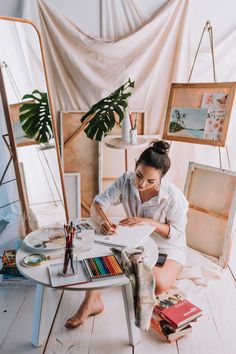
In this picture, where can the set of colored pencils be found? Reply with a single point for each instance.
(105, 266)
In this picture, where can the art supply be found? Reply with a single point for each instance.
(102, 267)
(36, 259)
(136, 120)
(126, 236)
(89, 269)
(70, 259)
(131, 123)
(105, 217)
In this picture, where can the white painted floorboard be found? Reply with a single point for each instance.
(107, 333)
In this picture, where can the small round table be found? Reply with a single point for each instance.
(118, 143)
(40, 275)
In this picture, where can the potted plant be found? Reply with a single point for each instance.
(101, 118)
(35, 117)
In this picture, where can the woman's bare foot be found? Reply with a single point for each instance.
(91, 305)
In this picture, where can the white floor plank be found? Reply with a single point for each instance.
(63, 340)
(10, 305)
(107, 333)
(204, 338)
(19, 335)
(151, 343)
(101, 334)
(222, 301)
(110, 332)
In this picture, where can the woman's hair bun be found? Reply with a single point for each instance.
(160, 146)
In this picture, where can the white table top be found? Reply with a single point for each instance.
(118, 143)
(40, 273)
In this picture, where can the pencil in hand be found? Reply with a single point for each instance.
(112, 226)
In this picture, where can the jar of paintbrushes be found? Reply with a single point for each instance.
(133, 131)
(70, 264)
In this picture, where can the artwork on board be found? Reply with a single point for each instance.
(216, 104)
(199, 113)
(189, 122)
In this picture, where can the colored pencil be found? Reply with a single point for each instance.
(105, 217)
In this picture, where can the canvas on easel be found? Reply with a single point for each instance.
(211, 193)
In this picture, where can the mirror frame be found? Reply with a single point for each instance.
(12, 141)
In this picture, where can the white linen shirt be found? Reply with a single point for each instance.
(169, 206)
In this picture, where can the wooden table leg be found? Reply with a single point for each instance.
(126, 160)
(40, 305)
(133, 331)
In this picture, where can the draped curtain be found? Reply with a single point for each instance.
(152, 51)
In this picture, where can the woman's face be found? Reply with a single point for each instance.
(147, 177)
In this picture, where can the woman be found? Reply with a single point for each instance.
(148, 198)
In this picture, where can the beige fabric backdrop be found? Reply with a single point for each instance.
(84, 69)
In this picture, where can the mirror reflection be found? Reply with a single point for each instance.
(27, 96)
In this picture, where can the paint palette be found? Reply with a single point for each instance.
(46, 239)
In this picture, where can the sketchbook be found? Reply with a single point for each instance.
(126, 236)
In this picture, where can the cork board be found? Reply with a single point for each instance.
(199, 112)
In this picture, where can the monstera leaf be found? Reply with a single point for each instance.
(104, 112)
(35, 117)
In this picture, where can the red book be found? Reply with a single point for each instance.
(161, 327)
(176, 310)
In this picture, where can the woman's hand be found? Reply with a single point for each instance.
(108, 228)
(133, 221)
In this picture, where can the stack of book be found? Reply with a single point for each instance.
(9, 269)
(172, 316)
(9, 274)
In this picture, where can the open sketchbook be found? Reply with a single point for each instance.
(126, 236)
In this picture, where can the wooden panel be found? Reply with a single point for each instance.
(80, 156)
(205, 233)
(212, 190)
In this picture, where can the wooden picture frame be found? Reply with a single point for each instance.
(199, 113)
(20, 138)
(211, 193)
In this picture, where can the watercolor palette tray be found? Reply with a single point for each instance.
(47, 239)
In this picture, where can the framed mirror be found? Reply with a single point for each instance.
(31, 138)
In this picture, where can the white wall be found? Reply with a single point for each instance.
(10, 8)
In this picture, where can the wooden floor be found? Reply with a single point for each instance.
(107, 333)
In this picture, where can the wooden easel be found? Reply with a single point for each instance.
(208, 28)
(12, 149)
